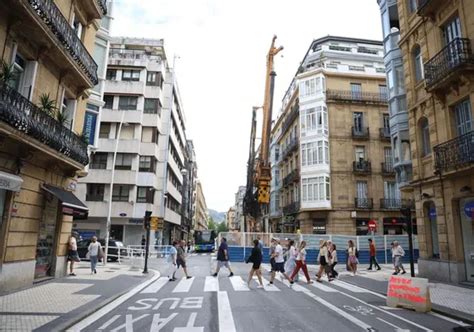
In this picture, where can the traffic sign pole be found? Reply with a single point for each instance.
(146, 224)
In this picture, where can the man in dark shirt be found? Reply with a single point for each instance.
(223, 257)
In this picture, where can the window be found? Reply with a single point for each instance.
(356, 90)
(147, 164)
(432, 230)
(386, 121)
(77, 26)
(383, 92)
(315, 119)
(463, 117)
(90, 123)
(360, 153)
(451, 31)
(111, 74)
(18, 69)
(412, 6)
(121, 193)
(104, 131)
(316, 189)
(152, 106)
(418, 63)
(387, 152)
(99, 160)
(150, 135)
(154, 78)
(109, 101)
(358, 121)
(128, 103)
(361, 188)
(130, 75)
(311, 87)
(124, 161)
(145, 195)
(95, 192)
(425, 137)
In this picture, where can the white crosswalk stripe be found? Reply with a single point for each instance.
(155, 286)
(211, 284)
(239, 284)
(267, 286)
(349, 287)
(184, 285)
(324, 288)
(279, 277)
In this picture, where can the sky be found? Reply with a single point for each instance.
(222, 47)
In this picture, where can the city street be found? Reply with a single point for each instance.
(206, 303)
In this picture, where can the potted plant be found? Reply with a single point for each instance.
(47, 105)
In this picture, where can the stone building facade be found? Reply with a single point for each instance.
(200, 215)
(46, 51)
(435, 40)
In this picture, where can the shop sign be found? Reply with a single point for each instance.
(135, 221)
(408, 292)
(372, 224)
(432, 212)
(469, 209)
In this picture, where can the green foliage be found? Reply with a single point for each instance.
(84, 138)
(7, 74)
(222, 227)
(47, 105)
(62, 117)
(211, 224)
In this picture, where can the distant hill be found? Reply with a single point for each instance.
(216, 216)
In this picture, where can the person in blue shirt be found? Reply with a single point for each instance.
(223, 257)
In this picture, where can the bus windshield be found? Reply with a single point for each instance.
(204, 237)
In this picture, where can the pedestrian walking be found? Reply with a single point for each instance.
(256, 259)
(72, 255)
(301, 264)
(323, 260)
(260, 243)
(271, 252)
(352, 257)
(94, 251)
(223, 257)
(333, 261)
(398, 253)
(373, 254)
(290, 255)
(181, 259)
(279, 261)
(188, 245)
(172, 260)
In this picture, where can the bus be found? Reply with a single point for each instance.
(204, 240)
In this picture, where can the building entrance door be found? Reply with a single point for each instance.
(467, 225)
(46, 238)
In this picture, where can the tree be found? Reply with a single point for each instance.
(211, 224)
(222, 227)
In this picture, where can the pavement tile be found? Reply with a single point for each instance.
(23, 322)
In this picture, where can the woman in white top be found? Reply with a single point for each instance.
(333, 261)
(94, 250)
(352, 259)
(301, 263)
(291, 254)
(323, 259)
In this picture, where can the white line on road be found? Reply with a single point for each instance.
(239, 284)
(184, 285)
(461, 323)
(111, 306)
(357, 289)
(267, 286)
(211, 284)
(156, 286)
(324, 288)
(283, 281)
(340, 312)
(398, 329)
(109, 322)
(226, 320)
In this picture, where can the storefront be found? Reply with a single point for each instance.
(362, 226)
(397, 226)
(319, 226)
(467, 225)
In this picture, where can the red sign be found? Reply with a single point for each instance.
(372, 224)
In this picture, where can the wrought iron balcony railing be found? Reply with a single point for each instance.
(455, 154)
(290, 178)
(292, 116)
(360, 133)
(387, 169)
(103, 6)
(291, 147)
(363, 203)
(455, 56)
(66, 36)
(362, 167)
(384, 133)
(396, 204)
(357, 97)
(428, 7)
(291, 208)
(24, 116)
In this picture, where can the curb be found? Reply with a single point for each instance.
(87, 312)
(466, 318)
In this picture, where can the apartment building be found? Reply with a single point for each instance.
(435, 41)
(45, 80)
(189, 192)
(239, 209)
(141, 146)
(333, 140)
(200, 217)
(230, 220)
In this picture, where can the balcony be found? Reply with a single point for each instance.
(396, 204)
(444, 68)
(290, 178)
(362, 167)
(292, 116)
(427, 8)
(24, 116)
(360, 133)
(455, 154)
(384, 134)
(291, 208)
(290, 148)
(349, 96)
(66, 37)
(363, 203)
(95, 9)
(387, 169)
(103, 6)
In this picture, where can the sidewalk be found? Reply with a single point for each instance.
(56, 304)
(451, 300)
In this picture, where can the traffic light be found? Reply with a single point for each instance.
(146, 220)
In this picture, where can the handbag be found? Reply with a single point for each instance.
(101, 253)
(322, 260)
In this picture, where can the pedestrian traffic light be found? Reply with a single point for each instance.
(146, 220)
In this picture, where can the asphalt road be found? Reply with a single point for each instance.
(206, 303)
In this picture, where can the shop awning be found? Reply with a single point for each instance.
(68, 199)
(10, 182)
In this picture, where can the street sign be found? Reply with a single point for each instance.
(372, 224)
(156, 223)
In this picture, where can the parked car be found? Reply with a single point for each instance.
(114, 247)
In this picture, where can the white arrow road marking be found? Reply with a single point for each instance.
(156, 286)
(239, 284)
(211, 284)
(158, 322)
(190, 326)
(397, 328)
(129, 323)
(226, 320)
(184, 285)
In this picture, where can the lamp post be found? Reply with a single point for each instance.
(109, 212)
